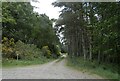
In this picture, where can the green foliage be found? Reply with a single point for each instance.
(21, 23)
(29, 31)
(10, 63)
(106, 71)
(55, 50)
(22, 51)
(7, 17)
(27, 51)
(46, 52)
(8, 47)
(90, 30)
(28, 54)
(51, 51)
(58, 50)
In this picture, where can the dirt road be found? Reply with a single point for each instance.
(52, 70)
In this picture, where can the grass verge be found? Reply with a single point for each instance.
(19, 63)
(106, 71)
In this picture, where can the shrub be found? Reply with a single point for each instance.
(56, 51)
(27, 51)
(46, 52)
(8, 48)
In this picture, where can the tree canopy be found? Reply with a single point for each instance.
(21, 23)
(90, 29)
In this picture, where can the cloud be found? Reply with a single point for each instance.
(45, 6)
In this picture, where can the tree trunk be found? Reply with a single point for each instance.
(83, 45)
(90, 52)
(99, 56)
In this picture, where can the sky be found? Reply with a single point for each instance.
(45, 6)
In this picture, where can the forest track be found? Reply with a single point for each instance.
(51, 70)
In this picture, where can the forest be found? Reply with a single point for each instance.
(27, 35)
(90, 32)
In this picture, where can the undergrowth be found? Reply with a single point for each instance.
(106, 71)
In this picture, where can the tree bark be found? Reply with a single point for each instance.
(83, 46)
(99, 56)
(90, 50)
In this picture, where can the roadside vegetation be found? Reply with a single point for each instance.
(91, 35)
(28, 38)
(19, 63)
(21, 54)
(105, 70)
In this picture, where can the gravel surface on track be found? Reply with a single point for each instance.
(51, 70)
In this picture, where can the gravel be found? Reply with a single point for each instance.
(51, 70)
